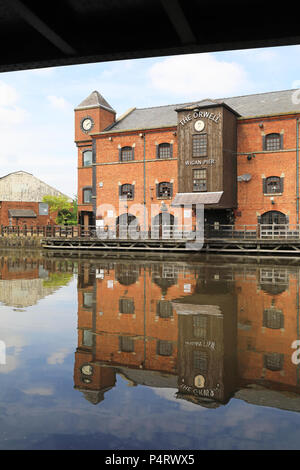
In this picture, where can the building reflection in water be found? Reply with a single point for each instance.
(29, 277)
(209, 332)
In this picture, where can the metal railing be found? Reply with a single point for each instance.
(160, 232)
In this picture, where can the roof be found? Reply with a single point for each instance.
(197, 198)
(191, 309)
(95, 100)
(261, 104)
(21, 213)
(24, 187)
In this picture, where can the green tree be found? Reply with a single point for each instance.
(66, 210)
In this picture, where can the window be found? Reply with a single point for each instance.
(199, 326)
(273, 217)
(126, 344)
(87, 299)
(199, 180)
(200, 145)
(164, 190)
(43, 208)
(127, 191)
(273, 361)
(200, 361)
(164, 309)
(126, 154)
(87, 195)
(164, 348)
(272, 142)
(274, 281)
(273, 185)
(273, 318)
(87, 159)
(164, 151)
(87, 338)
(126, 305)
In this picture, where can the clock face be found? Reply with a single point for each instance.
(87, 369)
(199, 381)
(87, 124)
(199, 125)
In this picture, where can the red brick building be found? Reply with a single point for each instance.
(21, 196)
(238, 156)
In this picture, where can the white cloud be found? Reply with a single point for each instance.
(58, 102)
(8, 95)
(198, 75)
(42, 391)
(58, 357)
(10, 113)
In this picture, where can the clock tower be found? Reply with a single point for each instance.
(93, 114)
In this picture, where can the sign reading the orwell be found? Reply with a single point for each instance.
(201, 114)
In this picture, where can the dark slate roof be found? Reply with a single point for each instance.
(21, 213)
(261, 104)
(95, 100)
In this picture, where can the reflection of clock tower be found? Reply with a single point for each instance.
(94, 114)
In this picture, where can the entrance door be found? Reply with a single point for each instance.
(163, 225)
(126, 224)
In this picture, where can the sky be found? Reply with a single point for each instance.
(37, 106)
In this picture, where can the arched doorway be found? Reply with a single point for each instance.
(126, 224)
(273, 217)
(163, 225)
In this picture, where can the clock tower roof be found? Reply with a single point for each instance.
(95, 100)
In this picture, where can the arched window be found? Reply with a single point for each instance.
(272, 142)
(164, 348)
(165, 190)
(273, 185)
(126, 154)
(164, 151)
(127, 191)
(273, 318)
(126, 344)
(87, 195)
(164, 309)
(87, 158)
(127, 274)
(126, 305)
(273, 361)
(273, 217)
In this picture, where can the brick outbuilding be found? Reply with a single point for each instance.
(21, 196)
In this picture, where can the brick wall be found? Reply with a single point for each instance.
(40, 220)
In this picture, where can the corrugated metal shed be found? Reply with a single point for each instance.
(24, 187)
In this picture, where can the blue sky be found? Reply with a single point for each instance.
(37, 106)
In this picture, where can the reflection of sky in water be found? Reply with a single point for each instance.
(39, 407)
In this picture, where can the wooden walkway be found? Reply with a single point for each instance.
(219, 245)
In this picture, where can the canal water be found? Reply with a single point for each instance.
(133, 353)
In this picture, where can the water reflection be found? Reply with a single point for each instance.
(212, 332)
(127, 354)
(24, 280)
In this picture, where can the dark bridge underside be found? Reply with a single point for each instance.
(35, 33)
